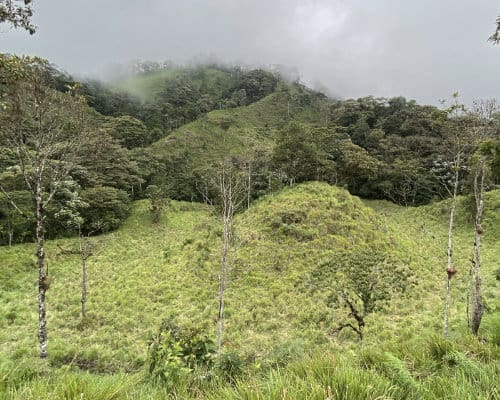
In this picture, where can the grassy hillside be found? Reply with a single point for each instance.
(235, 131)
(145, 272)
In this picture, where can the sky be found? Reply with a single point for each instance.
(424, 50)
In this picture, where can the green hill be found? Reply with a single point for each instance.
(144, 272)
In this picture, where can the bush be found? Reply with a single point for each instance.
(176, 350)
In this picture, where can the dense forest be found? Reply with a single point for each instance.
(279, 132)
(213, 231)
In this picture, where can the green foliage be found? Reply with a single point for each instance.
(158, 202)
(14, 227)
(362, 280)
(107, 208)
(295, 155)
(174, 351)
(129, 131)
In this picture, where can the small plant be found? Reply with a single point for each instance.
(158, 202)
(175, 350)
(230, 366)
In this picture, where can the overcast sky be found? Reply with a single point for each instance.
(425, 49)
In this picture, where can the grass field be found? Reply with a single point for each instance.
(145, 272)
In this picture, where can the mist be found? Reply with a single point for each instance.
(423, 50)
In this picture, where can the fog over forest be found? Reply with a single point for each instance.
(424, 50)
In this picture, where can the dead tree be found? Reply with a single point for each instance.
(231, 192)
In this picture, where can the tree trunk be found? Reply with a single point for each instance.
(43, 278)
(477, 300)
(249, 183)
(222, 282)
(84, 274)
(449, 253)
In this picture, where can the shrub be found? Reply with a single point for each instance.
(176, 350)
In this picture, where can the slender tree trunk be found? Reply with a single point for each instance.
(222, 282)
(83, 256)
(449, 253)
(43, 278)
(477, 300)
(249, 183)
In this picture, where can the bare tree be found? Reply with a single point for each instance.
(483, 129)
(459, 147)
(45, 129)
(231, 191)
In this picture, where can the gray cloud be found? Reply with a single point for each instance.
(424, 50)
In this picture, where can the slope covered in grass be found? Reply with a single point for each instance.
(145, 272)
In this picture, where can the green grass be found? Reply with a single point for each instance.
(239, 132)
(145, 272)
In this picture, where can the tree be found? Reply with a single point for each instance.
(18, 13)
(231, 195)
(295, 154)
(46, 129)
(158, 201)
(71, 217)
(458, 147)
(129, 131)
(362, 280)
(486, 132)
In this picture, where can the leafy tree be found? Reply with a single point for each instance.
(362, 280)
(46, 129)
(16, 227)
(107, 209)
(106, 163)
(18, 13)
(295, 154)
(129, 131)
(257, 84)
(158, 201)
(356, 167)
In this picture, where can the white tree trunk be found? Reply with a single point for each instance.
(43, 278)
(449, 253)
(477, 300)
